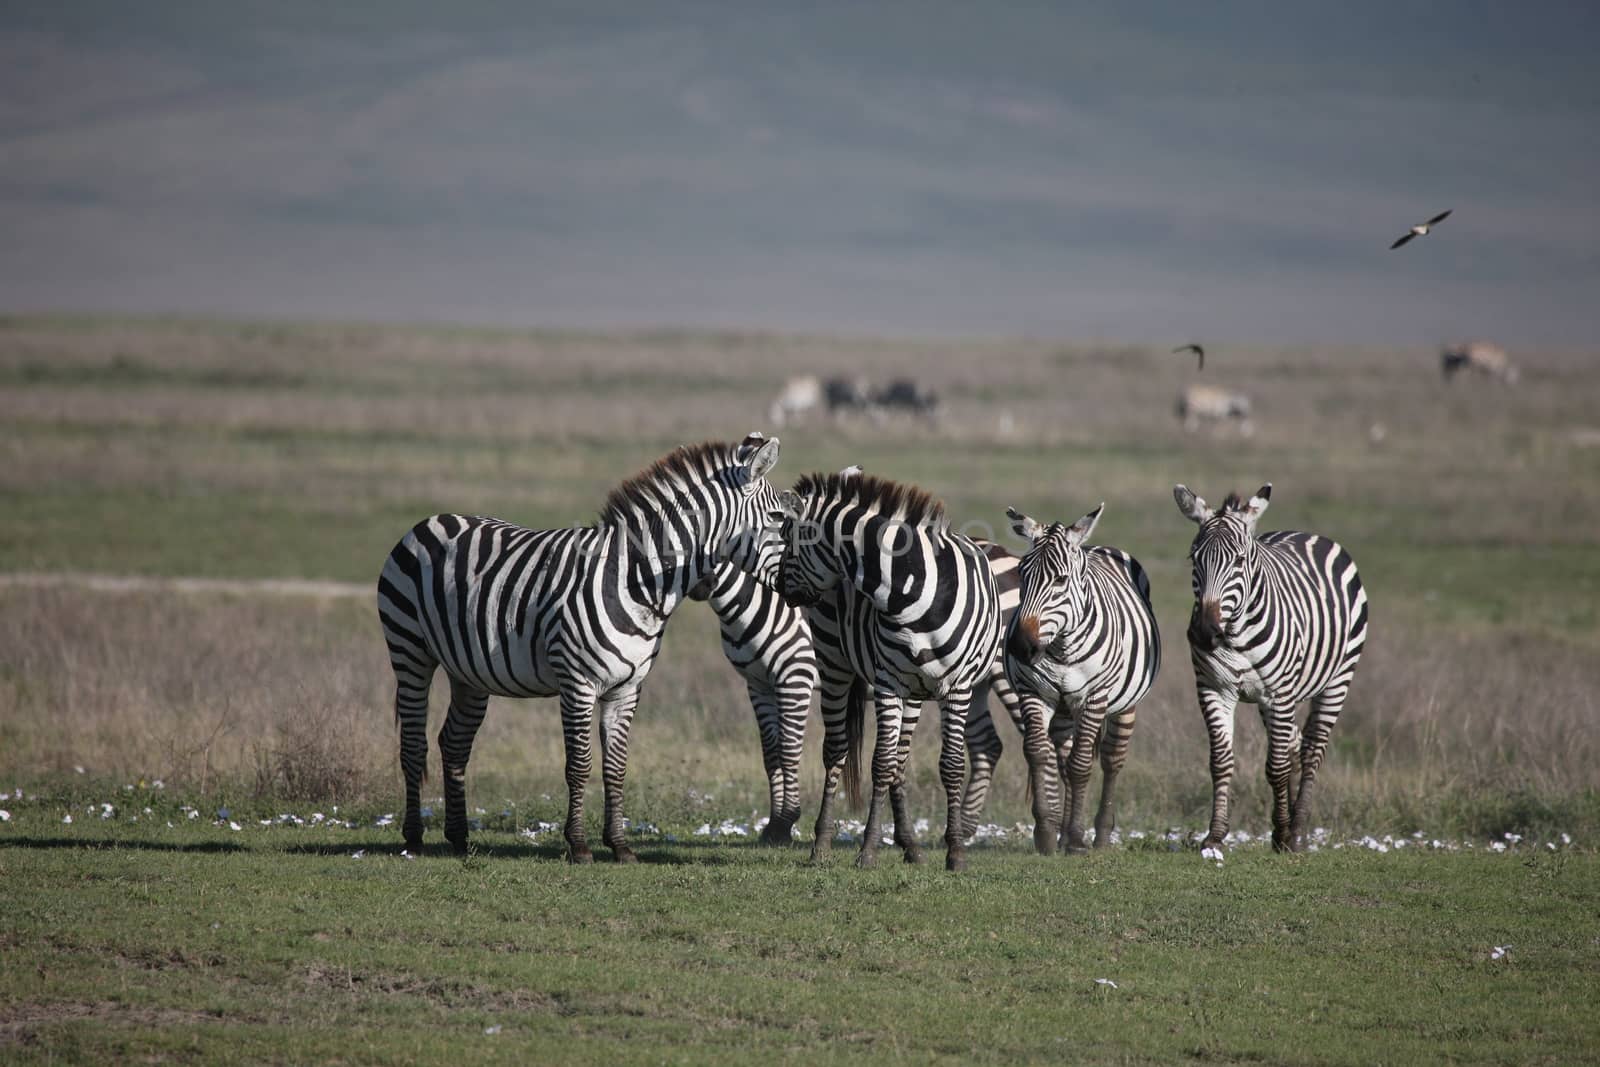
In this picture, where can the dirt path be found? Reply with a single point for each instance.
(132, 583)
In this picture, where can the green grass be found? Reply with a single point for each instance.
(134, 941)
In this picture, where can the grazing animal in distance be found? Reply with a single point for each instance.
(902, 395)
(1420, 229)
(799, 396)
(1479, 357)
(1082, 650)
(576, 612)
(919, 619)
(1199, 404)
(847, 396)
(1278, 618)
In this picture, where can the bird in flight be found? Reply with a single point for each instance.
(1196, 349)
(1421, 228)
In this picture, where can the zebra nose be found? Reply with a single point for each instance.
(1024, 642)
(1205, 629)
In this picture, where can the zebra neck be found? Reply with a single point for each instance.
(887, 562)
(657, 562)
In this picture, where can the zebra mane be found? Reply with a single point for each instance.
(1235, 502)
(894, 500)
(690, 463)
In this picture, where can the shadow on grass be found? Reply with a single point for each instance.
(116, 843)
(694, 853)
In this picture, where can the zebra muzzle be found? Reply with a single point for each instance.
(1024, 643)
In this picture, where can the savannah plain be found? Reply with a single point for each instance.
(193, 513)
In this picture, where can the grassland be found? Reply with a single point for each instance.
(265, 451)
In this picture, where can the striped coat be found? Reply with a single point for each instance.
(1083, 649)
(918, 616)
(1278, 619)
(577, 612)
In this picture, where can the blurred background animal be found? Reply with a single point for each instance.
(1202, 404)
(1479, 357)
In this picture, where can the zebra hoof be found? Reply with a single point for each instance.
(781, 837)
(866, 860)
(914, 855)
(580, 855)
(458, 845)
(1079, 849)
(1044, 842)
(414, 844)
(955, 861)
(1211, 841)
(624, 854)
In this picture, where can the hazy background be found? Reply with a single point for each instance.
(1158, 172)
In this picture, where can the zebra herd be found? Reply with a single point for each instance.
(855, 586)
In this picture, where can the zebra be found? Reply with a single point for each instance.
(1210, 403)
(1278, 618)
(769, 644)
(917, 616)
(1083, 646)
(579, 612)
(1481, 357)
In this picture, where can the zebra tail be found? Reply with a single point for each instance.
(855, 719)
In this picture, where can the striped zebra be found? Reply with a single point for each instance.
(1278, 618)
(984, 746)
(578, 613)
(1082, 651)
(917, 619)
(769, 644)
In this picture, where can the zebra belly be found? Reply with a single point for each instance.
(1227, 670)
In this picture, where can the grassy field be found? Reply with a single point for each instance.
(141, 941)
(258, 452)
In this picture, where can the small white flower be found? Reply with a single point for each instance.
(79, 768)
(406, 854)
(67, 819)
(1211, 852)
(1513, 838)
(1105, 981)
(5, 816)
(158, 784)
(492, 1030)
(1497, 846)
(235, 827)
(1499, 952)
(1566, 838)
(358, 853)
(149, 811)
(193, 814)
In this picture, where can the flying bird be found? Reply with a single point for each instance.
(1196, 349)
(1421, 228)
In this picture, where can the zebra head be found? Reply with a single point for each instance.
(1054, 589)
(1224, 559)
(752, 545)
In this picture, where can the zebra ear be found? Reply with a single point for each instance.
(1193, 507)
(1022, 526)
(764, 460)
(1258, 503)
(852, 471)
(1079, 531)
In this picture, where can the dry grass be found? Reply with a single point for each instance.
(262, 451)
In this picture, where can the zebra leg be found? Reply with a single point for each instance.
(413, 677)
(885, 762)
(1113, 754)
(835, 694)
(461, 723)
(616, 717)
(1085, 741)
(765, 704)
(1218, 711)
(905, 834)
(952, 769)
(1035, 717)
(1325, 708)
(577, 718)
(984, 749)
(1059, 741)
(794, 707)
(1279, 724)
